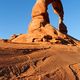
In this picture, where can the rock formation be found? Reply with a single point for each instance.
(40, 23)
(47, 53)
(40, 16)
(39, 61)
(40, 27)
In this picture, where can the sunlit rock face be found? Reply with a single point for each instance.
(44, 53)
(39, 61)
(40, 23)
(40, 29)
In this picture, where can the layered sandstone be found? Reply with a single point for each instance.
(39, 61)
(44, 53)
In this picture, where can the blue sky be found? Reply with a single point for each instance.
(15, 16)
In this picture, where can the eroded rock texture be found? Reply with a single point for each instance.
(40, 27)
(39, 62)
(56, 57)
(40, 23)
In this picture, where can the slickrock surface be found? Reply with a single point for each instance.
(39, 61)
(45, 53)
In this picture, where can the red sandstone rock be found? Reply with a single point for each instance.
(39, 62)
(40, 16)
(40, 29)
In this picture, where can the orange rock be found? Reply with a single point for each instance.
(40, 15)
(40, 29)
(20, 39)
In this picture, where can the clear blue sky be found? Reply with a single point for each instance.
(15, 16)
